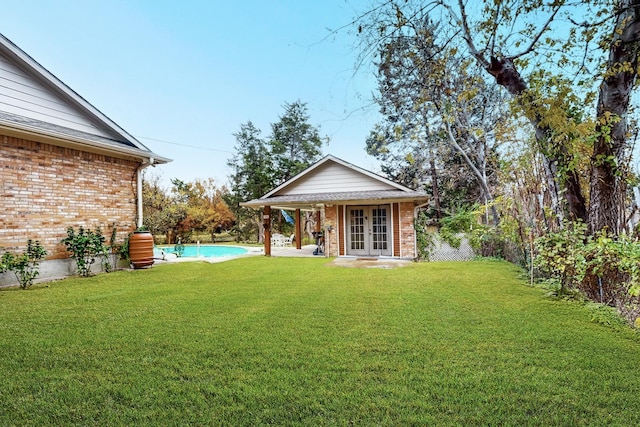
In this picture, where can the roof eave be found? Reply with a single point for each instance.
(49, 79)
(311, 204)
(68, 141)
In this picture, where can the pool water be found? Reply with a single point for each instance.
(205, 250)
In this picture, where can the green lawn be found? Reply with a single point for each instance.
(280, 341)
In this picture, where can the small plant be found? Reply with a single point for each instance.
(424, 239)
(5, 262)
(85, 246)
(124, 250)
(26, 266)
(109, 261)
(561, 254)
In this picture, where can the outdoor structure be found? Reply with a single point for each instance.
(62, 162)
(359, 213)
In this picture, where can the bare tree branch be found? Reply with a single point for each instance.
(544, 28)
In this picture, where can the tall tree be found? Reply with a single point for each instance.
(611, 147)
(162, 210)
(433, 103)
(527, 46)
(251, 175)
(207, 208)
(294, 143)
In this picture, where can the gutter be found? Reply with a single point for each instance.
(76, 142)
(143, 166)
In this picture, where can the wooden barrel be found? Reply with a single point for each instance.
(141, 249)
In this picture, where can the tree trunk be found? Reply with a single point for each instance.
(434, 187)
(557, 158)
(480, 176)
(608, 183)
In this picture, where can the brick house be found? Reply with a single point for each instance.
(62, 162)
(359, 213)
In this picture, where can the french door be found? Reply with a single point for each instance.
(368, 230)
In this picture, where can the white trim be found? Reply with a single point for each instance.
(139, 190)
(49, 80)
(57, 138)
(331, 158)
(344, 235)
(393, 232)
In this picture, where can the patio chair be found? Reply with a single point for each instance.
(288, 241)
(277, 240)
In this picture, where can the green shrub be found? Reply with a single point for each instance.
(424, 239)
(5, 262)
(612, 268)
(561, 254)
(85, 246)
(25, 265)
(603, 268)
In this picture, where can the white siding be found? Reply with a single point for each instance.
(23, 95)
(334, 178)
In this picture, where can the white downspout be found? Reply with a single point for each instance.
(139, 192)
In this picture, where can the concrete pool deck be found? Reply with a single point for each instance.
(305, 252)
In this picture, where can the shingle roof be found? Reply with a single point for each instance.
(53, 130)
(309, 200)
(124, 144)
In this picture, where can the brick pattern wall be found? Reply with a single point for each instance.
(405, 226)
(331, 239)
(395, 216)
(44, 189)
(407, 235)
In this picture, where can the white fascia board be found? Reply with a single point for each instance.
(326, 159)
(47, 78)
(61, 139)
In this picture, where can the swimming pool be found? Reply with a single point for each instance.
(206, 251)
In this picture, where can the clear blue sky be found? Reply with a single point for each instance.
(191, 72)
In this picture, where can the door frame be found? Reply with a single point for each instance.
(366, 229)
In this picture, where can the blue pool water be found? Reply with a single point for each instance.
(205, 250)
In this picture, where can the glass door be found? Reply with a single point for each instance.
(357, 235)
(369, 230)
(380, 231)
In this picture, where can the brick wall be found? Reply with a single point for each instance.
(407, 236)
(331, 245)
(44, 189)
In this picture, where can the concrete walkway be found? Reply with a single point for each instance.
(349, 261)
(305, 251)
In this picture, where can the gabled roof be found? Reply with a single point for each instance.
(35, 102)
(332, 180)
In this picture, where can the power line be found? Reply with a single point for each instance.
(183, 145)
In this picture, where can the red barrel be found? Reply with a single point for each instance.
(141, 249)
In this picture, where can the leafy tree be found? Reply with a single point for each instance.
(206, 208)
(434, 105)
(259, 165)
(547, 60)
(162, 210)
(251, 177)
(294, 143)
